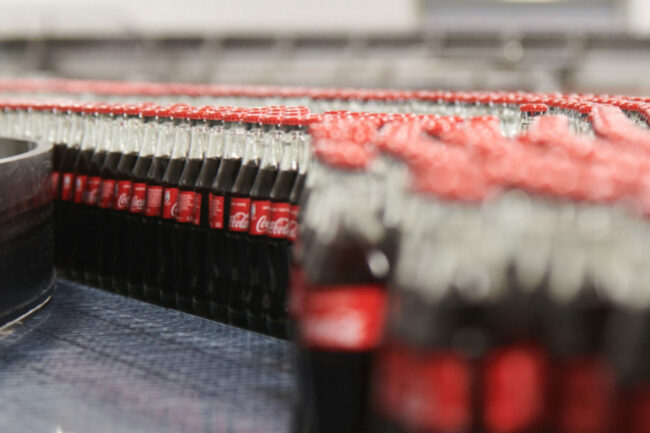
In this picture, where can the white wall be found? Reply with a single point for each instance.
(203, 17)
(638, 17)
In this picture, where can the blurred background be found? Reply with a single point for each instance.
(539, 45)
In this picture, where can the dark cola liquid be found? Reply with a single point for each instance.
(219, 260)
(152, 249)
(259, 256)
(187, 252)
(58, 150)
(135, 239)
(334, 389)
(119, 227)
(166, 227)
(240, 277)
(91, 259)
(276, 297)
(200, 235)
(68, 235)
(78, 216)
(105, 229)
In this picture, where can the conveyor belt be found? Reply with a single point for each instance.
(91, 361)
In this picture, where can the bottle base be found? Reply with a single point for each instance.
(218, 312)
(91, 279)
(135, 290)
(76, 275)
(237, 318)
(167, 299)
(256, 323)
(119, 286)
(151, 294)
(201, 307)
(106, 283)
(184, 303)
(278, 327)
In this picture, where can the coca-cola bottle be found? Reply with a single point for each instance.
(297, 192)
(115, 135)
(187, 251)
(135, 233)
(71, 132)
(260, 209)
(278, 235)
(152, 218)
(79, 209)
(574, 314)
(207, 175)
(239, 220)
(103, 129)
(340, 322)
(167, 225)
(56, 137)
(219, 212)
(133, 134)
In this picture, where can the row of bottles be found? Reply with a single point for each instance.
(452, 279)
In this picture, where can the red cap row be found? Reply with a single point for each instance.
(276, 115)
(470, 160)
(581, 103)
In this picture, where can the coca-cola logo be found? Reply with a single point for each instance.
(292, 230)
(239, 221)
(123, 201)
(262, 224)
(67, 181)
(78, 182)
(92, 195)
(137, 203)
(280, 227)
(173, 211)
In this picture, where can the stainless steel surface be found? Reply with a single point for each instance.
(26, 227)
(91, 361)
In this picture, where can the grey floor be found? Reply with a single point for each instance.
(91, 361)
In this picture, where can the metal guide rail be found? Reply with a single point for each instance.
(26, 228)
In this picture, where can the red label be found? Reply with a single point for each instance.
(170, 203)
(67, 187)
(428, 391)
(293, 223)
(91, 194)
(240, 209)
(216, 211)
(154, 200)
(391, 375)
(79, 187)
(586, 393)
(123, 195)
(138, 197)
(280, 220)
(343, 318)
(296, 290)
(56, 176)
(260, 211)
(197, 209)
(107, 193)
(514, 394)
(640, 409)
(186, 202)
